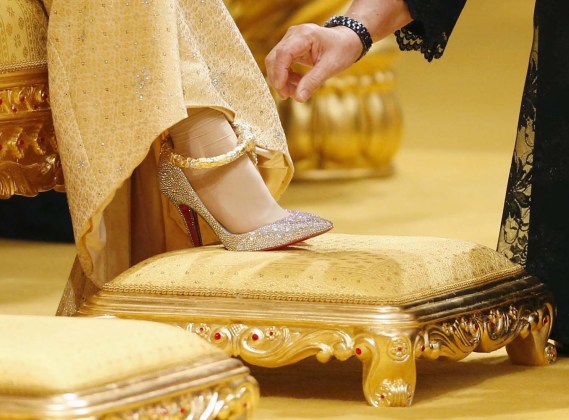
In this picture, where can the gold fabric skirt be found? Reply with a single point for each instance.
(122, 73)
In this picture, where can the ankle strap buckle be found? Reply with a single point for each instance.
(245, 145)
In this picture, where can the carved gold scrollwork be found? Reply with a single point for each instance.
(277, 346)
(29, 160)
(397, 393)
(387, 347)
(388, 361)
(389, 374)
(228, 400)
(485, 331)
(531, 346)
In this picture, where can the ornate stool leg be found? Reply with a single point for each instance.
(531, 346)
(389, 374)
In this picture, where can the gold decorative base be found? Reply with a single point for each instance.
(29, 161)
(515, 312)
(213, 389)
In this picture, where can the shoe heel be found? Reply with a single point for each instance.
(192, 224)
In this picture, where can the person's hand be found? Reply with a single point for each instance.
(327, 50)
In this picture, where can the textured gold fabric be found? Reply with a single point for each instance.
(47, 4)
(23, 35)
(49, 355)
(121, 74)
(331, 268)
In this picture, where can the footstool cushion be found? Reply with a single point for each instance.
(70, 368)
(385, 300)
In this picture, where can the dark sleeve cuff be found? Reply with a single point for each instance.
(433, 22)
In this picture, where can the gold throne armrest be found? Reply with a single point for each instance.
(29, 162)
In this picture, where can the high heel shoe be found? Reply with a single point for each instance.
(174, 184)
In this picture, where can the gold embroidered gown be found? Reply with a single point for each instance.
(121, 73)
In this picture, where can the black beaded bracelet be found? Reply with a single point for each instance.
(358, 27)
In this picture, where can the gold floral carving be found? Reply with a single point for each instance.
(272, 346)
(389, 374)
(525, 327)
(516, 313)
(29, 162)
(230, 400)
(397, 393)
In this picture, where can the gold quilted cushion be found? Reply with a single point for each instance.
(49, 355)
(23, 35)
(331, 268)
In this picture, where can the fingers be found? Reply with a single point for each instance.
(295, 47)
(315, 78)
(291, 85)
(339, 48)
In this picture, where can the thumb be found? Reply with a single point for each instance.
(314, 79)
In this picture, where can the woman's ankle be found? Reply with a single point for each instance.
(235, 194)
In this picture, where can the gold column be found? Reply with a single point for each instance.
(352, 127)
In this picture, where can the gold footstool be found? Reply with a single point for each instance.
(385, 300)
(113, 369)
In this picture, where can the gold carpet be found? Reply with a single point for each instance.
(451, 174)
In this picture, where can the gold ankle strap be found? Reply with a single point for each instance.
(245, 145)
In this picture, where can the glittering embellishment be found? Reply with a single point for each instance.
(245, 145)
(296, 227)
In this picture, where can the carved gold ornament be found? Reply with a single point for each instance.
(387, 340)
(29, 160)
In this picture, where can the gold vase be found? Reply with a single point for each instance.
(351, 127)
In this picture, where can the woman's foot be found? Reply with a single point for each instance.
(235, 194)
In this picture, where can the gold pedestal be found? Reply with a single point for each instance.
(387, 301)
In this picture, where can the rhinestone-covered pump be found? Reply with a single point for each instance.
(296, 227)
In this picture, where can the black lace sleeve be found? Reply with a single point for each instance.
(433, 22)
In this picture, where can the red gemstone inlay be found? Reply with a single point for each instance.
(217, 336)
(358, 351)
(255, 337)
(271, 333)
(545, 320)
(382, 396)
(14, 109)
(423, 347)
(201, 329)
(20, 143)
(399, 349)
